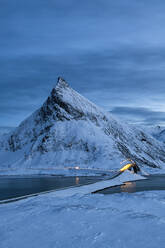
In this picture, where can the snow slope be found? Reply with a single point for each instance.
(79, 220)
(69, 130)
(158, 132)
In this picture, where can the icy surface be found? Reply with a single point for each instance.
(80, 220)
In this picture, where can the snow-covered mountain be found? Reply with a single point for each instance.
(158, 132)
(5, 130)
(160, 136)
(69, 130)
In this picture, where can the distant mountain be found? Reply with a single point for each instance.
(158, 132)
(5, 130)
(69, 130)
(161, 136)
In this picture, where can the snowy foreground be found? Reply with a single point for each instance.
(76, 218)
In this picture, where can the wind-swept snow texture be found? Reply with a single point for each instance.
(69, 130)
(73, 218)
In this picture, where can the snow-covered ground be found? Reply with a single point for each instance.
(58, 171)
(76, 218)
(72, 171)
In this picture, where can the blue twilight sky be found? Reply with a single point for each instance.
(112, 52)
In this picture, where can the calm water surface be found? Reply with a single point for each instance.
(153, 182)
(12, 186)
(16, 186)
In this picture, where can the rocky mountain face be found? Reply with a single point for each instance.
(69, 130)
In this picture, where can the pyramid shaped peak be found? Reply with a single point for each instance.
(61, 83)
(69, 102)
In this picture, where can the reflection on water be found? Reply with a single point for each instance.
(129, 187)
(77, 180)
(153, 182)
(11, 186)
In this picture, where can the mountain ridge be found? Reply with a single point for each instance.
(68, 129)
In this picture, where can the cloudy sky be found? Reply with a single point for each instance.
(112, 52)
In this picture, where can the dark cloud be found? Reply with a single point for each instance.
(110, 51)
(139, 115)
